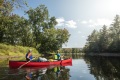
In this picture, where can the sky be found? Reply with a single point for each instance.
(79, 17)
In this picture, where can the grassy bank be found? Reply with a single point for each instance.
(9, 50)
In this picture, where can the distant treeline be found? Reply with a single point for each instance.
(71, 50)
(106, 39)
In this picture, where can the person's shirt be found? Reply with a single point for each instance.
(55, 56)
(58, 56)
(29, 56)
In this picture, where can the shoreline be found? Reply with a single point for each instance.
(89, 54)
(3, 57)
(104, 54)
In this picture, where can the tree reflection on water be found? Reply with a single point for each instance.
(104, 68)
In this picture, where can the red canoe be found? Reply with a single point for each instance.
(17, 64)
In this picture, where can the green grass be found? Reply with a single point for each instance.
(9, 50)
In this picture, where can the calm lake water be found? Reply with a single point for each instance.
(82, 68)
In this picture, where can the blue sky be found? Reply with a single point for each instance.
(80, 17)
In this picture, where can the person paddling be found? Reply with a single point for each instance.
(57, 56)
(29, 55)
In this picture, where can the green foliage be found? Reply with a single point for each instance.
(39, 21)
(45, 36)
(6, 8)
(52, 39)
(15, 30)
(106, 40)
(37, 31)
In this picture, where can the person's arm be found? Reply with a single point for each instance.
(29, 55)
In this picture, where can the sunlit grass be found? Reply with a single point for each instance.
(9, 50)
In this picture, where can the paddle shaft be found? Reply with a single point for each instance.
(25, 63)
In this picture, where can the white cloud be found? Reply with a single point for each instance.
(97, 22)
(60, 20)
(84, 22)
(69, 24)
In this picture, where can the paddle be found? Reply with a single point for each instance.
(25, 63)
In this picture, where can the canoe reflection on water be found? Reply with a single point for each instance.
(34, 74)
(48, 73)
(52, 72)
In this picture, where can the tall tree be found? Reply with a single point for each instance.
(115, 29)
(103, 41)
(25, 33)
(45, 35)
(93, 41)
(38, 18)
